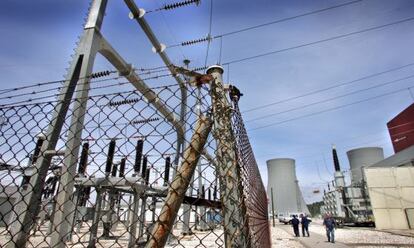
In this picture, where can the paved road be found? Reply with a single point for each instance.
(315, 240)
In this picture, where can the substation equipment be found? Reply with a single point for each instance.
(349, 204)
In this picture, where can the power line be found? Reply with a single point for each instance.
(320, 41)
(95, 88)
(90, 97)
(4, 91)
(329, 88)
(144, 71)
(289, 18)
(209, 31)
(169, 30)
(185, 43)
(330, 109)
(330, 99)
(56, 88)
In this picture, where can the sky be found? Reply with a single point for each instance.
(38, 38)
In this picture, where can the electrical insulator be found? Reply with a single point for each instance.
(199, 68)
(192, 42)
(100, 74)
(145, 121)
(179, 4)
(127, 101)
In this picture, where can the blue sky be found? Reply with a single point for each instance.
(38, 38)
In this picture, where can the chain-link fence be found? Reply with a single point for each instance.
(254, 192)
(90, 166)
(138, 176)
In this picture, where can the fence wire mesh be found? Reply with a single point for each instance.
(132, 177)
(254, 192)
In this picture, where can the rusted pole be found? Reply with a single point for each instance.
(233, 211)
(179, 184)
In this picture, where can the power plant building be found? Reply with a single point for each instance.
(390, 183)
(282, 180)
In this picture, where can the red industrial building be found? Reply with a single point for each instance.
(401, 129)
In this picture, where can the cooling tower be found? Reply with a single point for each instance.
(362, 157)
(287, 197)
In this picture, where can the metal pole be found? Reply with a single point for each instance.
(203, 224)
(28, 204)
(143, 199)
(235, 232)
(81, 193)
(273, 207)
(96, 217)
(186, 229)
(133, 220)
(87, 48)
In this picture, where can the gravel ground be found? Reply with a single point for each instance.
(281, 239)
(365, 237)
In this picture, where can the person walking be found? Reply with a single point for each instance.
(330, 226)
(305, 224)
(295, 224)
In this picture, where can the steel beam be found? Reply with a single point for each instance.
(28, 204)
(63, 221)
(136, 14)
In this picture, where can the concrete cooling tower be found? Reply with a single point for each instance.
(362, 157)
(287, 197)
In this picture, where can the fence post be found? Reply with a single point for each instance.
(229, 176)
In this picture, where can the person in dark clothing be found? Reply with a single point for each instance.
(305, 224)
(330, 226)
(295, 224)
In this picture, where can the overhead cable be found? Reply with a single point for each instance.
(320, 41)
(329, 87)
(329, 109)
(331, 99)
(186, 43)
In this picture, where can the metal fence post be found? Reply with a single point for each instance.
(231, 197)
